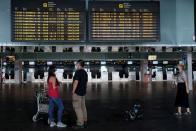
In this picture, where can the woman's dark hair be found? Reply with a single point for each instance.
(51, 73)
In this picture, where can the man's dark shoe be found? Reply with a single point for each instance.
(85, 124)
(78, 126)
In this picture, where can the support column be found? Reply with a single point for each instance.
(143, 69)
(189, 70)
(18, 72)
(1, 70)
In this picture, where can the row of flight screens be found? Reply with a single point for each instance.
(74, 21)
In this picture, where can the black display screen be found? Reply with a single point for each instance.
(124, 21)
(48, 20)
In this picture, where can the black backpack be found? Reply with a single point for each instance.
(134, 113)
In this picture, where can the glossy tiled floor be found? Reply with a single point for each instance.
(105, 102)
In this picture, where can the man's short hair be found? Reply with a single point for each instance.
(81, 62)
(52, 69)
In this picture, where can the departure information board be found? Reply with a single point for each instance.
(48, 20)
(124, 21)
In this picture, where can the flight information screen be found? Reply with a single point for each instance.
(48, 20)
(124, 21)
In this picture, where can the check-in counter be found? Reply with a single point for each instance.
(104, 76)
(8, 77)
(89, 76)
(170, 76)
(31, 77)
(93, 79)
(115, 76)
(9, 80)
(159, 76)
(45, 77)
(132, 75)
(124, 78)
(39, 80)
(67, 78)
(59, 74)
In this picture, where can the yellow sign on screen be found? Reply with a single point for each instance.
(45, 5)
(121, 6)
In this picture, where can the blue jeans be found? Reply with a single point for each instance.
(59, 103)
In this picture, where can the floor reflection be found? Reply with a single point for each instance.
(105, 102)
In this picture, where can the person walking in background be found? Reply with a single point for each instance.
(79, 87)
(182, 97)
(54, 98)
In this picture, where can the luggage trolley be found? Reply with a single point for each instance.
(42, 104)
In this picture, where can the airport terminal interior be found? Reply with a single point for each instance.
(131, 51)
